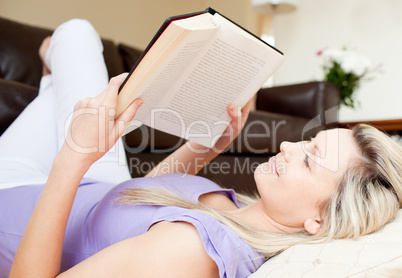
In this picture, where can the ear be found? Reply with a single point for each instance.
(312, 226)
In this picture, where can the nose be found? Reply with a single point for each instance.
(285, 149)
(288, 149)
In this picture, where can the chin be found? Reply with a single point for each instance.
(261, 169)
(262, 173)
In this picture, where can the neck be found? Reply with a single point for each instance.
(255, 217)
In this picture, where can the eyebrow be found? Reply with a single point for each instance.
(321, 131)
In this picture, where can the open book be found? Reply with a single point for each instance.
(195, 66)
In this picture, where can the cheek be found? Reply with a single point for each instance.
(285, 204)
(282, 169)
(291, 190)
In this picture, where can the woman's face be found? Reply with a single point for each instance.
(302, 176)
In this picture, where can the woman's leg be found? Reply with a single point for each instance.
(78, 70)
(28, 146)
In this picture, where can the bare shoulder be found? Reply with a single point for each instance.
(217, 201)
(168, 249)
(184, 244)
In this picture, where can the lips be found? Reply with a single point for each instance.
(272, 165)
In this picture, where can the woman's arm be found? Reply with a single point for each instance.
(192, 157)
(92, 132)
(39, 252)
(168, 249)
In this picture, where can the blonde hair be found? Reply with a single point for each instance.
(368, 196)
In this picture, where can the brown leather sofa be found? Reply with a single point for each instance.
(288, 113)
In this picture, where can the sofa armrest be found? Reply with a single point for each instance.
(265, 131)
(307, 100)
(14, 97)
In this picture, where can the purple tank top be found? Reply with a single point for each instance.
(97, 221)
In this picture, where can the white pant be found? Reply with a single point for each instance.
(29, 145)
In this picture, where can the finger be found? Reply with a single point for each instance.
(233, 111)
(129, 113)
(112, 89)
(82, 103)
(236, 115)
(246, 110)
(247, 106)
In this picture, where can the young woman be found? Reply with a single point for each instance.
(85, 221)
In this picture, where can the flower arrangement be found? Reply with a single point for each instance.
(346, 69)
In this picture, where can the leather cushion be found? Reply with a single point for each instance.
(19, 59)
(306, 100)
(19, 44)
(113, 60)
(14, 97)
(130, 55)
(262, 134)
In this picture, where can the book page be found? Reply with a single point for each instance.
(156, 88)
(174, 35)
(252, 53)
(154, 58)
(225, 73)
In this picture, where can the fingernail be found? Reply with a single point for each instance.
(232, 107)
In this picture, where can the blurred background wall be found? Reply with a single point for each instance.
(130, 21)
(370, 27)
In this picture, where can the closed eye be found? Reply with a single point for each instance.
(306, 163)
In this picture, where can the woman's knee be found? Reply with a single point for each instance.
(78, 30)
(78, 25)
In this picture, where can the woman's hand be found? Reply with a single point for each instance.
(239, 118)
(191, 157)
(94, 130)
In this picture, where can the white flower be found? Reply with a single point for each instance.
(345, 69)
(354, 63)
(331, 55)
(349, 61)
